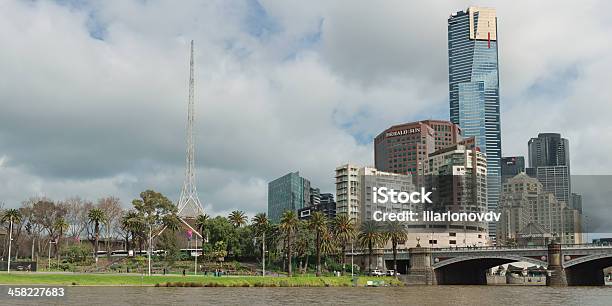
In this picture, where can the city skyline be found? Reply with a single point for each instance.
(110, 123)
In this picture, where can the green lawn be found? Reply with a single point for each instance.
(225, 281)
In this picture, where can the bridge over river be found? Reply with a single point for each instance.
(581, 264)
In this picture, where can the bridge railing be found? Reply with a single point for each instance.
(485, 248)
(492, 248)
(586, 245)
(525, 247)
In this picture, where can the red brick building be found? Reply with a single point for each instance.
(404, 148)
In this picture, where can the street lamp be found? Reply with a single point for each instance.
(352, 255)
(10, 244)
(150, 245)
(195, 271)
(49, 259)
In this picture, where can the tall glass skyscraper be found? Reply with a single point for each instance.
(474, 87)
(289, 192)
(549, 161)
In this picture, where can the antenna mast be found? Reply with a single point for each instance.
(189, 205)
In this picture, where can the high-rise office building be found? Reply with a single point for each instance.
(474, 87)
(354, 191)
(549, 162)
(373, 178)
(511, 166)
(354, 186)
(531, 215)
(576, 202)
(459, 177)
(403, 148)
(289, 192)
(548, 149)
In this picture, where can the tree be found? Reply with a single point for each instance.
(288, 226)
(329, 245)
(167, 242)
(201, 224)
(152, 207)
(134, 225)
(77, 253)
(237, 218)
(369, 237)
(396, 232)
(61, 226)
(171, 222)
(11, 216)
(343, 228)
(302, 245)
(221, 229)
(261, 225)
(33, 228)
(111, 206)
(318, 224)
(75, 209)
(45, 213)
(96, 217)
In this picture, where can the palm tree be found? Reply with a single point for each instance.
(201, 223)
(132, 223)
(288, 226)
(171, 222)
(396, 232)
(369, 237)
(329, 245)
(11, 216)
(237, 218)
(61, 226)
(260, 222)
(301, 245)
(318, 224)
(96, 216)
(344, 231)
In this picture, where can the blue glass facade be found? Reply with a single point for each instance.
(289, 192)
(474, 87)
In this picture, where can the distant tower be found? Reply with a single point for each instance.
(189, 205)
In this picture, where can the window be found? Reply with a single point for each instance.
(452, 234)
(433, 241)
(452, 242)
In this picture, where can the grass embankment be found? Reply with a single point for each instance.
(186, 281)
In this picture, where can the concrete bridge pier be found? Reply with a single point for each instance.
(556, 274)
(420, 265)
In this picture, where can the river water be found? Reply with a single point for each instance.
(414, 295)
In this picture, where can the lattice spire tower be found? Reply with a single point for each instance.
(189, 205)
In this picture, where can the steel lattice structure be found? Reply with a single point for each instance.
(189, 205)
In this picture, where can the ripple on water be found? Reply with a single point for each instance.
(416, 295)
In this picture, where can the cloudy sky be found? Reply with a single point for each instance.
(93, 94)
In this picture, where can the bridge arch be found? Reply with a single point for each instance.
(471, 270)
(587, 270)
(506, 257)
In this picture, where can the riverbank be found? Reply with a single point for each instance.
(83, 279)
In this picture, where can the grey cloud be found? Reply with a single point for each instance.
(90, 117)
